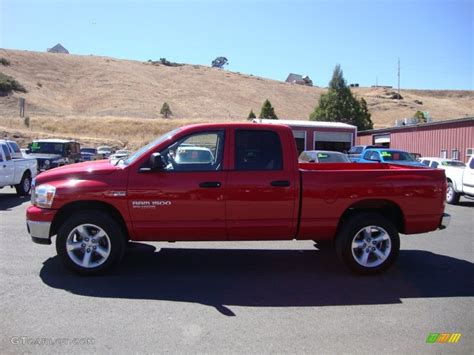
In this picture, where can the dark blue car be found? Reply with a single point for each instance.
(385, 155)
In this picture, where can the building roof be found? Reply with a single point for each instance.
(294, 78)
(58, 49)
(53, 140)
(469, 121)
(305, 124)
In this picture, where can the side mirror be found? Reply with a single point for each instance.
(157, 162)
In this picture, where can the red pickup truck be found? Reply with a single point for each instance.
(216, 182)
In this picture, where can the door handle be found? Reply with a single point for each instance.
(210, 184)
(280, 183)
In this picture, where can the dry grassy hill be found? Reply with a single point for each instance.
(106, 99)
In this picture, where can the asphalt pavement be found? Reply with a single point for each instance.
(236, 297)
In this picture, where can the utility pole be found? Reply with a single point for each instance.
(398, 98)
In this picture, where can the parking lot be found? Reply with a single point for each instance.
(246, 297)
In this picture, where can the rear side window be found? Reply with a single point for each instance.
(434, 164)
(14, 147)
(6, 152)
(258, 150)
(425, 162)
(471, 164)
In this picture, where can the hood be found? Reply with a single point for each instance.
(93, 168)
(45, 156)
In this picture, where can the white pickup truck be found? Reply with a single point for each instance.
(459, 176)
(16, 172)
(460, 182)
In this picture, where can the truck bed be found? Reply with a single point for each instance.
(331, 190)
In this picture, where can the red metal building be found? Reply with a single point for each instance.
(452, 139)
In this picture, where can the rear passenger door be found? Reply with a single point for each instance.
(262, 192)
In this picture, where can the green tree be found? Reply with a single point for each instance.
(165, 110)
(420, 116)
(268, 111)
(339, 105)
(251, 115)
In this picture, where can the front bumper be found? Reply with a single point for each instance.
(445, 220)
(38, 223)
(39, 231)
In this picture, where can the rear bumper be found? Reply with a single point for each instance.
(445, 220)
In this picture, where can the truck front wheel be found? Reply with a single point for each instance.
(368, 243)
(90, 243)
(452, 197)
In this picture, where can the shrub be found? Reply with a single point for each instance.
(165, 110)
(4, 61)
(7, 84)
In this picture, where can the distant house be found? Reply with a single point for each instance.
(299, 79)
(58, 49)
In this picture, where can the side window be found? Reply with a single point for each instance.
(425, 162)
(6, 152)
(15, 147)
(258, 150)
(471, 164)
(434, 164)
(199, 152)
(367, 155)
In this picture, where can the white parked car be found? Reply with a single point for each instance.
(104, 150)
(120, 154)
(16, 172)
(460, 178)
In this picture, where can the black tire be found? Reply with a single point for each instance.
(452, 197)
(92, 224)
(24, 187)
(378, 247)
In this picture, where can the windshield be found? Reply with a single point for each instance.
(149, 146)
(47, 148)
(332, 158)
(390, 155)
(88, 150)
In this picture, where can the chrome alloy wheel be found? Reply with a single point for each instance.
(450, 192)
(371, 246)
(88, 245)
(26, 184)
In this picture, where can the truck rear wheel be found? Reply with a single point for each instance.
(90, 243)
(24, 187)
(368, 243)
(452, 197)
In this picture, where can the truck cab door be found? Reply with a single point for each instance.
(7, 167)
(263, 187)
(184, 200)
(468, 178)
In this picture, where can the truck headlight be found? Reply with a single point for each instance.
(43, 196)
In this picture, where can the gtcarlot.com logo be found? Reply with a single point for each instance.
(443, 338)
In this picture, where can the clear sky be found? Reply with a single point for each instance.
(268, 38)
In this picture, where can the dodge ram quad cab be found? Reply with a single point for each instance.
(250, 187)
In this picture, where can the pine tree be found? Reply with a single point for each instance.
(268, 111)
(251, 115)
(165, 110)
(339, 105)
